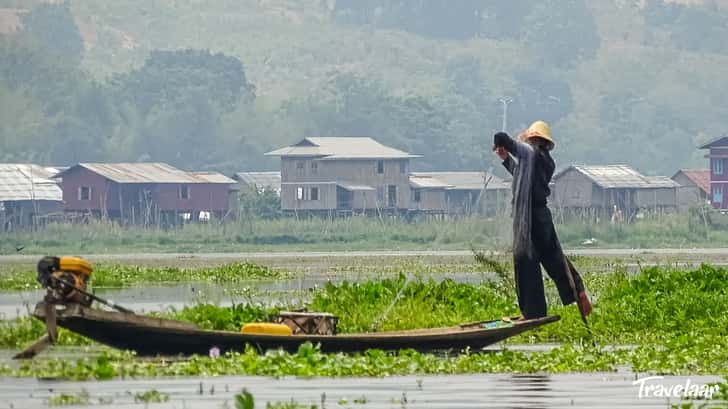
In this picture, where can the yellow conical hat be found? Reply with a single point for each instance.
(539, 129)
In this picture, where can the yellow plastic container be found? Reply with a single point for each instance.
(267, 328)
(76, 264)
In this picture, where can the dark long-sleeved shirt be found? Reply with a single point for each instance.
(543, 171)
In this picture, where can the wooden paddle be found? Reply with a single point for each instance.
(570, 274)
(50, 320)
(50, 337)
(39, 345)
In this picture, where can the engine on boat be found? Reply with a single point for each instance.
(63, 277)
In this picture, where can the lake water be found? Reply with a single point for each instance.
(600, 390)
(592, 390)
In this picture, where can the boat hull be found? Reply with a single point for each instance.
(149, 336)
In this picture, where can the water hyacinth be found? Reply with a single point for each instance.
(640, 321)
(129, 276)
(309, 361)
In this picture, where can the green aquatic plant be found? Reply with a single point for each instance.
(151, 396)
(718, 400)
(310, 361)
(647, 310)
(421, 304)
(20, 331)
(70, 399)
(231, 318)
(501, 270)
(289, 405)
(129, 276)
(244, 400)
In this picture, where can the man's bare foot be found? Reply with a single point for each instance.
(584, 304)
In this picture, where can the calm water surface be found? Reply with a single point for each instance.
(434, 392)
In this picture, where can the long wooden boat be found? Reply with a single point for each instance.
(149, 336)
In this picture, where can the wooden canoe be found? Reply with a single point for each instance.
(149, 336)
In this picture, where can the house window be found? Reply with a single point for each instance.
(299, 193)
(314, 194)
(417, 196)
(392, 196)
(402, 167)
(717, 166)
(380, 167)
(184, 192)
(380, 194)
(84, 193)
(314, 167)
(300, 168)
(718, 194)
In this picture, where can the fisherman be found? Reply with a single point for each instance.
(534, 238)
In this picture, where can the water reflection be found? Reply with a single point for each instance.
(533, 390)
(592, 391)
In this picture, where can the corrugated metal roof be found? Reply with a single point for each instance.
(29, 169)
(347, 147)
(719, 141)
(54, 170)
(344, 185)
(427, 182)
(619, 177)
(661, 182)
(701, 177)
(138, 173)
(354, 187)
(27, 182)
(465, 180)
(213, 177)
(260, 179)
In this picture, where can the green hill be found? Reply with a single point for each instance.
(621, 81)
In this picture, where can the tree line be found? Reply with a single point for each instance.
(199, 109)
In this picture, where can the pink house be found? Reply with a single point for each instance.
(146, 193)
(718, 156)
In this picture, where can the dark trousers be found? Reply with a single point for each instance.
(547, 252)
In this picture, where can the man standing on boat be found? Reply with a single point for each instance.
(534, 237)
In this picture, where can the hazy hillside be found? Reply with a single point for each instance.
(638, 82)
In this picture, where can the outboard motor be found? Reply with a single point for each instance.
(62, 277)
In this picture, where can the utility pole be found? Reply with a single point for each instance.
(505, 101)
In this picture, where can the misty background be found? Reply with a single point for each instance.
(215, 84)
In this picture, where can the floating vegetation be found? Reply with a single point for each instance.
(18, 332)
(717, 400)
(421, 303)
(129, 276)
(245, 400)
(309, 361)
(70, 399)
(673, 320)
(151, 396)
(232, 318)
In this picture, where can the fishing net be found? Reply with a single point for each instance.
(522, 196)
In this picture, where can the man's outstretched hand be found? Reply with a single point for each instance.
(499, 141)
(501, 152)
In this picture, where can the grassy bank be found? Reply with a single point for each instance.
(350, 234)
(674, 319)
